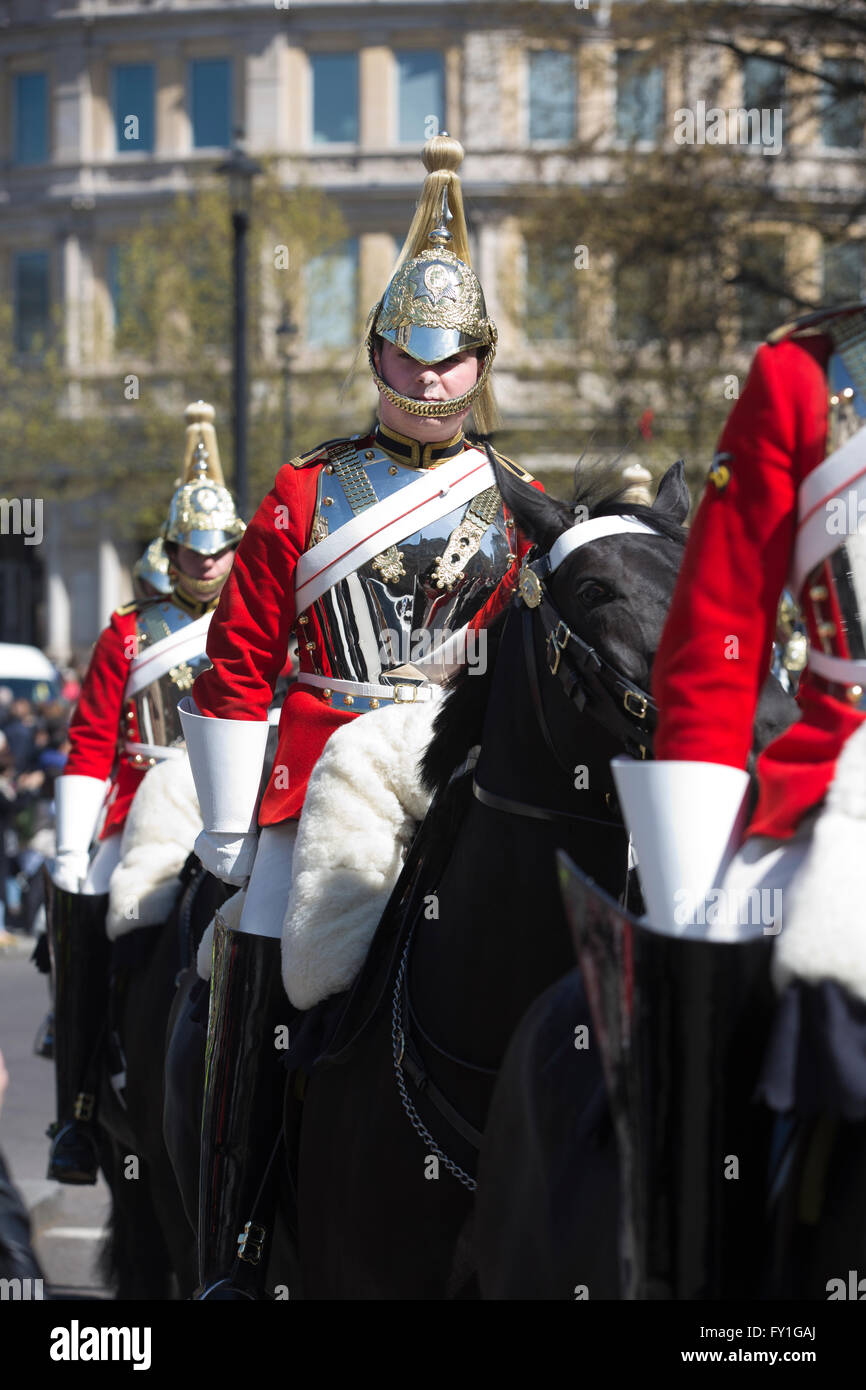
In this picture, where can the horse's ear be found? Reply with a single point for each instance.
(539, 516)
(673, 497)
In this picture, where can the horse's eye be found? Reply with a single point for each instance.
(591, 593)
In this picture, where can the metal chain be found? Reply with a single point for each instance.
(397, 1045)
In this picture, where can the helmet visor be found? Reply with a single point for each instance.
(431, 345)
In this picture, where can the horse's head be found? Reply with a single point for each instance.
(614, 591)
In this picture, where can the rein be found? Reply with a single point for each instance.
(592, 685)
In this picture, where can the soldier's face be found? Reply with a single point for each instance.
(204, 566)
(442, 381)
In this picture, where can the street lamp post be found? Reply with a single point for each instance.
(240, 170)
(285, 331)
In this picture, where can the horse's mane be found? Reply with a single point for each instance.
(458, 724)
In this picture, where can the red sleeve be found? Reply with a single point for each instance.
(249, 635)
(94, 728)
(715, 650)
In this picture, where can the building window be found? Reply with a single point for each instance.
(420, 95)
(842, 273)
(843, 110)
(639, 301)
(639, 97)
(760, 287)
(332, 297)
(133, 107)
(764, 89)
(551, 288)
(335, 98)
(551, 95)
(210, 82)
(31, 118)
(32, 283)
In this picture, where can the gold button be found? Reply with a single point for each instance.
(827, 629)
(509, 523)
(393, 469)
(348, 699)
(326, 694)
(138, 758)
(303, 619)
(310, 646)
(855, 694)
(374, 703)
(151, 762)
(818, 592)
(328, 501)
(130, 714)
(369, 454)
(329, 468)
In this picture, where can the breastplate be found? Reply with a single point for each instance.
(170, 654)
(400, 605)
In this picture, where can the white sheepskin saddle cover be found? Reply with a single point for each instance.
(823, 935)
(159, 833)
(363, 804)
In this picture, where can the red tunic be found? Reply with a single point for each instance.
(716, 648)
(95, 729)
(254, 621)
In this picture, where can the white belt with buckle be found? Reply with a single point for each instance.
(402, 693)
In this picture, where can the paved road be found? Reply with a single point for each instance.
(67, 1221)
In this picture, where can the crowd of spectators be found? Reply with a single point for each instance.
(34, 745)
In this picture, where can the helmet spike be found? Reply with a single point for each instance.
(199, 416)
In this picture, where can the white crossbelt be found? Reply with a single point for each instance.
(402, 693)
(155, 661)
(436, 493)
(841, 473)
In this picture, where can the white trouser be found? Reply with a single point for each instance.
(102, 866)
(267, 892)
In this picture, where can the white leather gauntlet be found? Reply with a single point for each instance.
(226, 757)
(77, 804)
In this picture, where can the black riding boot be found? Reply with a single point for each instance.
(81, 956)
(242, 1114)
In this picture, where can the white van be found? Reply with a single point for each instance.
(28, 673)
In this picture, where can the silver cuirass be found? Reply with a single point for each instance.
(170, 654)
(400, 605)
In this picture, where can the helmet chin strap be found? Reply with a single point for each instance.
(197, 590)
(437, 410)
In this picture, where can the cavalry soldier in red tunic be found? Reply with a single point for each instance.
(370, 549)
(785, 497)
(736, 900)
(124, 723)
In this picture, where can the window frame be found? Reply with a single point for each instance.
(190, 92)
(414, 140)
(339, 145)
(552, 142)
(14, 121)
(119, 150)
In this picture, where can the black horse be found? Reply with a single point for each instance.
(150, 1251)
(387, 1146)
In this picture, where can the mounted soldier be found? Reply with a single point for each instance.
(124, 724)
(780, 883)
(372, 549)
